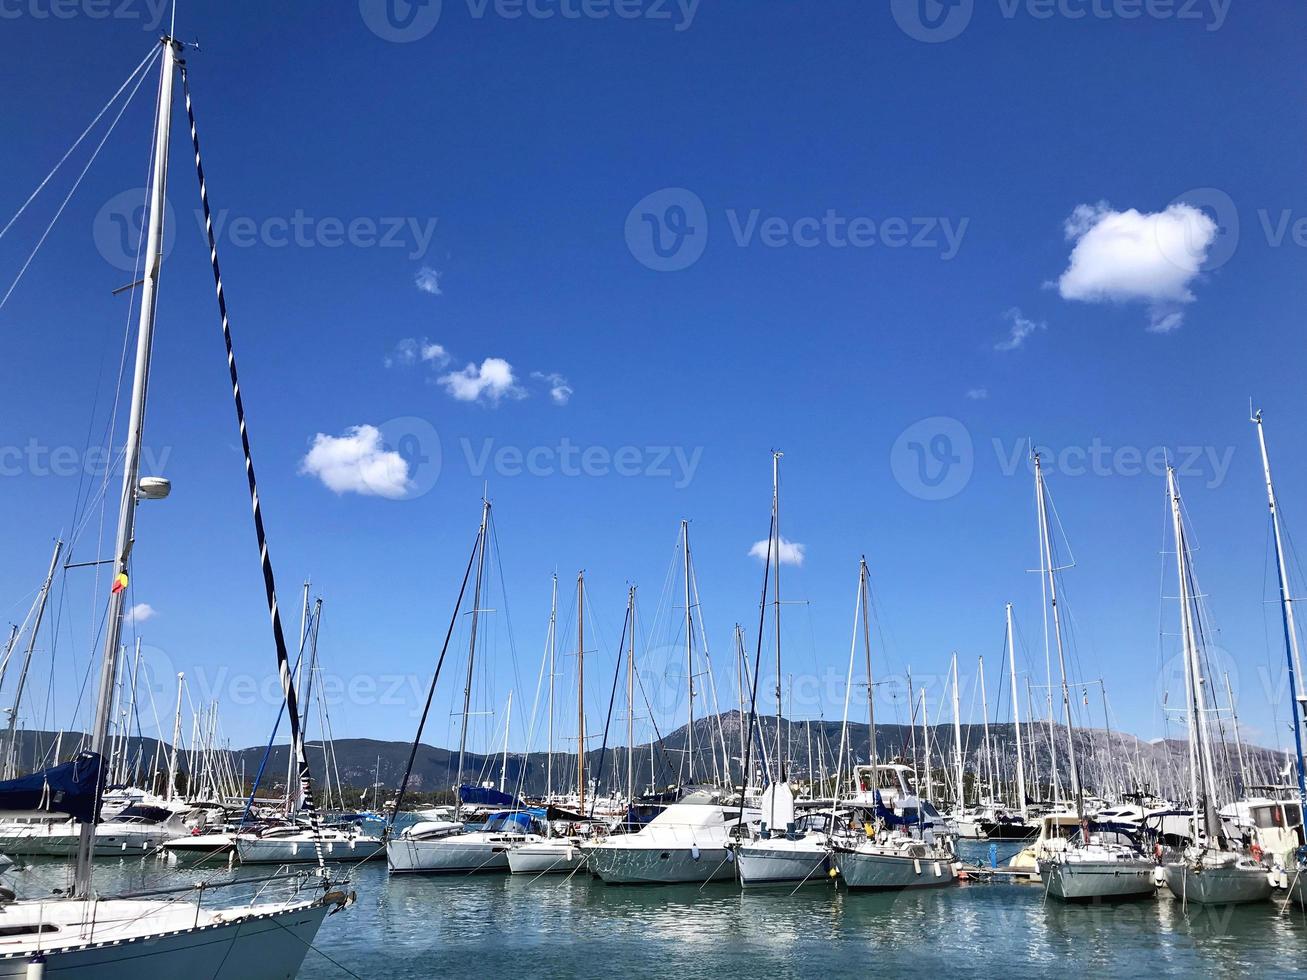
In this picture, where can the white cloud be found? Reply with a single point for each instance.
(492, 381)
(410, 351)
(427, 279)
(977, 394)
(1019, 328)
(791, 552)
(357, 462)
(139, 613)
(1131, 256)
(559, 390)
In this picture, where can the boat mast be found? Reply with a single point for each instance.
(1046, 537)
(1016, 715)
(1238, 741)
(957, 738)
(1201, 779)
(1286, 612)
(471, 655)
(984, 707)
(508, 718)
(11, 760)
(549, 745)
(630, 701)
(580, 690)
(129, 496)
(776, 598)
(176, 737)
(689, 653)
(865, 586)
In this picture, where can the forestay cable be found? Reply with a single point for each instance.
(269, 583)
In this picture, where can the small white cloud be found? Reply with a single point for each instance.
(1019, 328)
(791, 552)
(492, 381)
(1133, 256)
(559, 390)
(427, 279)
(410, 350)
(139, 613)
(977, 394)
(357, 462)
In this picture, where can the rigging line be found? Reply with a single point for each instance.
(269, 582)
(757, 669)
(145, 62)
(453, 621)
(73, 190)
(612, 697)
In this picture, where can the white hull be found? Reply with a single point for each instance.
(450, 855)
(62, 842)
(1081, 881)
(879, 869)
(273, 850)
(659, 864)
(546, 857)
(265, 942)
(1218, 885)
(777, 862)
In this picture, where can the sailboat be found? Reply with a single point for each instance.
(140, 938)
(1298, 706)
(561, 853)
(688, 840)
(1212, 869)
(1090, 866)
(782, 852)
(1000, 823)
(449, 846)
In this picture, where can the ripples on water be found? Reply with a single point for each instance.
(417, 927)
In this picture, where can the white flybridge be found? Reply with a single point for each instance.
(1092, 865)
(1212, 870)
(141, 938)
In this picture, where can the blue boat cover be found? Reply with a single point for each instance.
(481, 796)
(73, 788)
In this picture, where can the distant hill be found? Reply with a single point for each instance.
(1107, 764)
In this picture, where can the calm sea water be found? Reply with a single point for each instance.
(412, 927)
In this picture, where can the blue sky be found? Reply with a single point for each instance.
(445, 231)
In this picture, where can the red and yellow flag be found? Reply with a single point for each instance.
(119, 583)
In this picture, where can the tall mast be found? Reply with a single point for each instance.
(1046, 538)
(1016, 714)
(11, 761)
(925, 738)
(984, 707)
(776, 597)
(131, 710)
(865, 586)
(1286, 612)
(689, 652)
(957, 737)
(471, 655)
(176, 738)
(549, 745)
(1202, 780)
(1238, 741)
(580, 690)
(508, 718)
(126, 537)
(630, 700)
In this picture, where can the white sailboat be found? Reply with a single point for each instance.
(1091, 866)
(448, 846)
(145, 938)
(1211, 870)
(781, 853)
